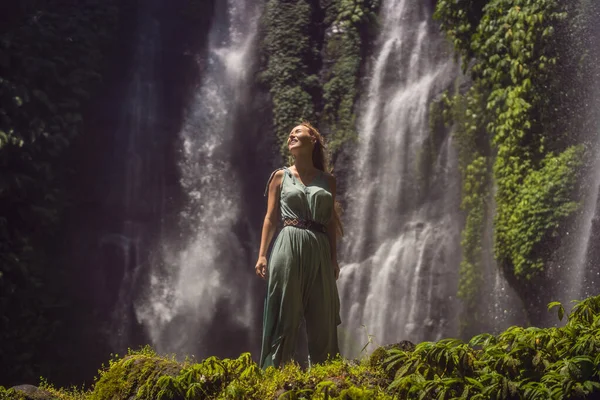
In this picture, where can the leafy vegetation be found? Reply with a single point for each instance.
(459, 19)
(510, 130)
(516, 95)
(51, 57)
(344, 46)
(519, 363)
(311, 64)
(531, 363)
(292, 53)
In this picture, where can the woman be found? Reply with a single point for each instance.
(303, 266)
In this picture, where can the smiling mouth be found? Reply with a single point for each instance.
(293, 141)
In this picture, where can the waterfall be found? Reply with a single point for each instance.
(583, 272)
(579, 271)
(578, 287)
(190, 291)
(402, 254)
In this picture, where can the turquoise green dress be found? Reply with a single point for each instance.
(301, 280)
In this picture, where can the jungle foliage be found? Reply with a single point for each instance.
(312, 55)
(51, 57)
(516, 127)
(290, 68)
(350, 23)
(519, 363)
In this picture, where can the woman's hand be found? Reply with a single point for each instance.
(261, 267)
(336, 269)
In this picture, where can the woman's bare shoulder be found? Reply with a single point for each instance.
(277, 176)
(275, 181)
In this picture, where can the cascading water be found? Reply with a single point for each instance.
(583, 272)
(403, 247)
(577, 268)
(578, 287)
(189, 293)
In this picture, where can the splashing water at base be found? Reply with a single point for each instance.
(189, 293)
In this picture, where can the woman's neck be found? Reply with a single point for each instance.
(304, 164)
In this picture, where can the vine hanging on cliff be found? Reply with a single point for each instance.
(515, 57)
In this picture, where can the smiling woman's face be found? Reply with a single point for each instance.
(299, 139)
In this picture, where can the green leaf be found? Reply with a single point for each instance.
(561, 309)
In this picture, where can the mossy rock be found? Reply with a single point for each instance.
(381, 353)
(135, 376)
(378, 356)
(404, 345)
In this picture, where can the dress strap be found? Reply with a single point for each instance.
(271, 178)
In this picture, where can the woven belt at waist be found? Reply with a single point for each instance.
(305, 224)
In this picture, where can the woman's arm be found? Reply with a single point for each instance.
(269, 224)
(331, 230)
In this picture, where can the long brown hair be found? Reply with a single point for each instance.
(320, 159)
